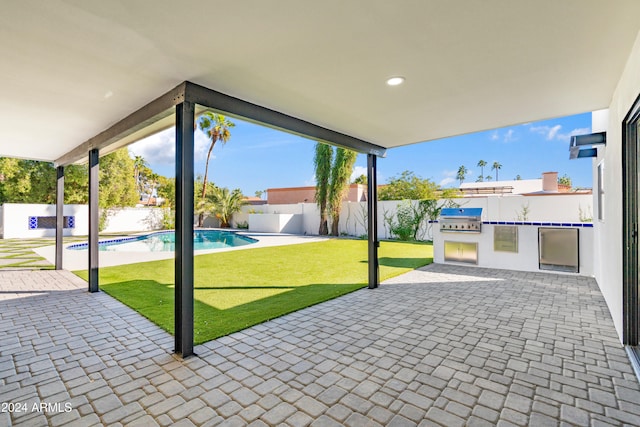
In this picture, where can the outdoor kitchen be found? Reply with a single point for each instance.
(463, 236)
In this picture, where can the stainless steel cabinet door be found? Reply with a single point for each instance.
(461, 252)
(558, 249)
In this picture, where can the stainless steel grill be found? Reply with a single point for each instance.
(461, 220)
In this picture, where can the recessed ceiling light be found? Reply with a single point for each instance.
(395, 81)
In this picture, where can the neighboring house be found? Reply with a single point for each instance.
(285, 196)
(548, 184)
(153, 200)
(255, 201)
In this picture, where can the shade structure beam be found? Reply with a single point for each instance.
(163, 106)
(372, 221)
(267, 117)
(59, 215)
(94, 161)
(185, 116)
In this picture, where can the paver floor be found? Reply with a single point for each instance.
(443, 345)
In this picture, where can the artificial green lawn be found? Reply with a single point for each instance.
(237, 289)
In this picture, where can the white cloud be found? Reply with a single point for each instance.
(447, 181)
(553, 133)
(201, 146)
(510, 136)
(357, 171)
(160, 148)
(565, 137)
(449, 177)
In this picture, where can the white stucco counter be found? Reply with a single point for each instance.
(518, 253)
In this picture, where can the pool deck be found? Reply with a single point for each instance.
(79, 259)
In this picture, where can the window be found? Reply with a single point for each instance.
(601, 191)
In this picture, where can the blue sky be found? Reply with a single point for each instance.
(257, 158)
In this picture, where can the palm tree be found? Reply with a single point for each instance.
(322, 169)
(225, 203)
(138, 163)
(481, 164)
(462, 173)
(497, 167)
(152, 182)
(340, 174)
(488, 178)
(216, 127)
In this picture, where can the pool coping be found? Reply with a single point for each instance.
(79, 260)
(118, 240)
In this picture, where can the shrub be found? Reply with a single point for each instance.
(169, 219)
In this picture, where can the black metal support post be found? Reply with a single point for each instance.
(93, 220)
(372, 220)
(59, 215)
(185, 116)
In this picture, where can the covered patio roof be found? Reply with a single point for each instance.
(73, 68)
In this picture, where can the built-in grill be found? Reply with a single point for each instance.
(461, 220)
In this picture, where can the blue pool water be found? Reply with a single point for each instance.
(166, 241)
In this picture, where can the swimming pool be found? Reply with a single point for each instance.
(165, 241)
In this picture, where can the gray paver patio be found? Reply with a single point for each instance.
(443, 345)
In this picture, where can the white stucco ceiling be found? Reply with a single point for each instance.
(72, 68)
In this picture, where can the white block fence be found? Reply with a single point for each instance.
(17, 220)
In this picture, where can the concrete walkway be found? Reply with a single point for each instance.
(443, 345)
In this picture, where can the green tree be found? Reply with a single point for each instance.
(322, 169)
(216, 127)
(448, 194)
(518, 178)
(496, 166)
(29, 181)
(339, 183)
(462, 173)
(488, 178)
(26, 181)
(76, 184)
(362, 179)
(203, 206)
(226, 203)
(167, 190)
(408, 186)
(481, 164)
(117, 187)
